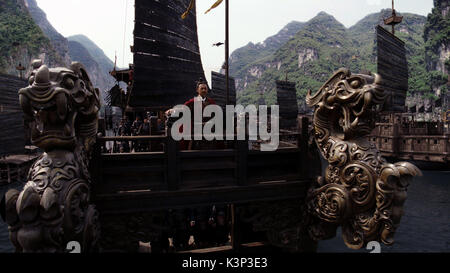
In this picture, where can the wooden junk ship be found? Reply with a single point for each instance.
(80, 192)
(397, 134)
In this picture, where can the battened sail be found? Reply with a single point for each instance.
(167, 60)
(393, 68)
(219, 90)
(11, 116)
(287, 101)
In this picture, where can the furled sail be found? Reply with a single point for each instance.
(167, 60)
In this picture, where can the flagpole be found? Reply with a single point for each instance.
(227, 51)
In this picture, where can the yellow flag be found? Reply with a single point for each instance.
(215, 5)
(191, 6)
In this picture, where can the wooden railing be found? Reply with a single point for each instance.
(415, 147)
(174, 177)
(418, 141)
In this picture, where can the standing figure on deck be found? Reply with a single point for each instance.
(136, 126)
(145, 131)
(202, 95)
(123, 130)
(135, 131)
(202, 91)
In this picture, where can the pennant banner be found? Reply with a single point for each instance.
(215, 5)
(191, 6)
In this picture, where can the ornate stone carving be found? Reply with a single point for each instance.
(61, 107)
(360, 191)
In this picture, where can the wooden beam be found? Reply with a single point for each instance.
(154, 200)
(172, 168)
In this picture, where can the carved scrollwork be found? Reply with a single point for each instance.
(332, 201)
(360, 191)
(61, 107)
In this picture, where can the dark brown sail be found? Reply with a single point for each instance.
(167, 60)
(393, 68)
(219, 90)
(12, 134)
(287, 101)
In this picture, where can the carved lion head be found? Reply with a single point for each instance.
(348, 103)
(61, 106)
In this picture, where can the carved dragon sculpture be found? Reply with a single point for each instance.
(360, 191)
(61, 107)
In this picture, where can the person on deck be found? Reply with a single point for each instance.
(202, 95)
(160, 126)
(136, 126)
(145, 131)
(124, 146)
(135, 131)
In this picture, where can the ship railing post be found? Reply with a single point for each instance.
(96, 165)
(241, 161)
(446, 146)
(235, 229)
(171, 150)
(395, 134)
(302, 144)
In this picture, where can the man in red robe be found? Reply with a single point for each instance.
(202, 91)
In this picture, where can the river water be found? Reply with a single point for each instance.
(425, 227)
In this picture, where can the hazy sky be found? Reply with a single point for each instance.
(109, 23)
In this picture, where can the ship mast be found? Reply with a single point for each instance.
(394, 19)
(227, 50)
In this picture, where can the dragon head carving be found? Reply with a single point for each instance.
(61, 106)
(347, 104)
(361, 191)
